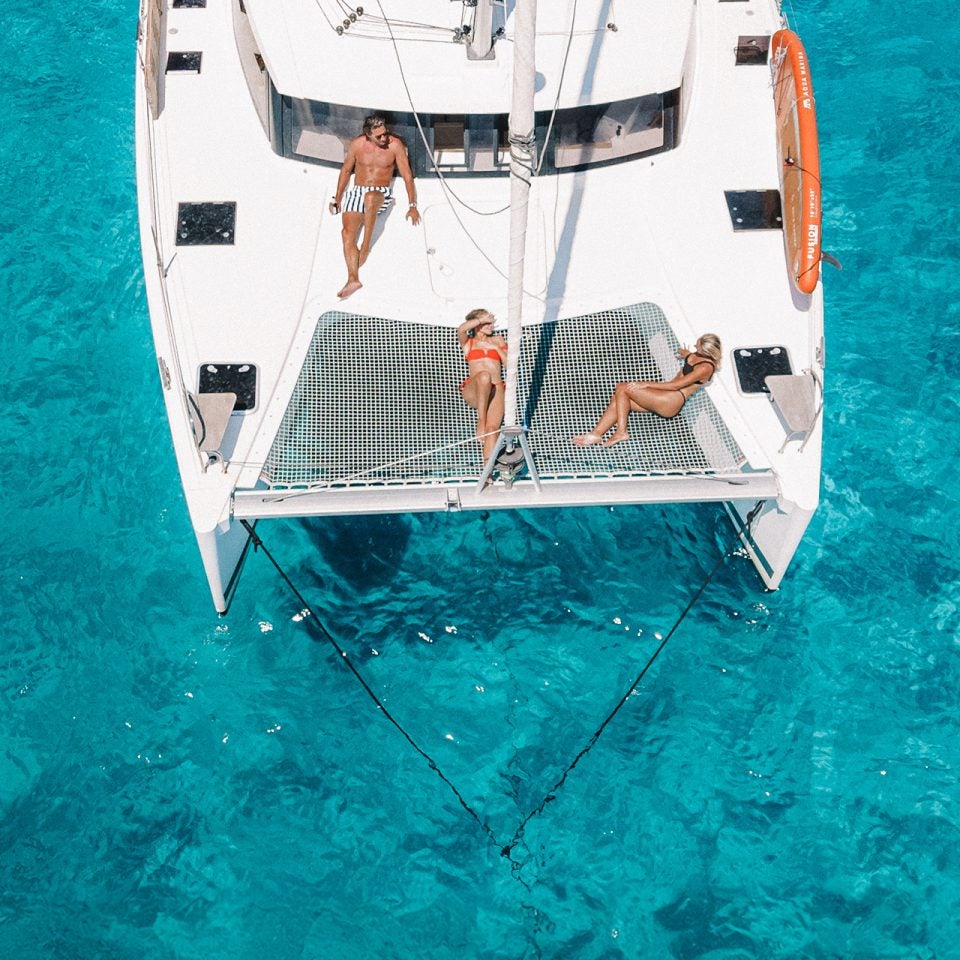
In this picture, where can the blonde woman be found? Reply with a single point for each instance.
(664, 398)
(484, 387)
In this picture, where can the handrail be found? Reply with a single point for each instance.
(819, 409)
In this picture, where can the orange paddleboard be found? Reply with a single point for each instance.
(799, 152)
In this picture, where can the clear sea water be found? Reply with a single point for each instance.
(177, 785)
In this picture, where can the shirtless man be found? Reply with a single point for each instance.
(371, 158)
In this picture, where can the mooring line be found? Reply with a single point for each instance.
(552, 792)
(259, 545)
(506, 850)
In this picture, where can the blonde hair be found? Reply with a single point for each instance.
(711, 348)
(477, 317)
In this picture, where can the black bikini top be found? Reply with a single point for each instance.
(689, 368)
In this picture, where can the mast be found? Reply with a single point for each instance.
(512, 449)
(522, 163)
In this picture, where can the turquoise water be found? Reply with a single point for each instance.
(174, 785)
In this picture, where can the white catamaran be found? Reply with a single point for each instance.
(616, 177)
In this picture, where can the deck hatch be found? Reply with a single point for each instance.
(755, 364)
(184, 61)
(238, 378)
(362, 415)
(206, 224)
(754, 209)
(189, 4)
(753, 50)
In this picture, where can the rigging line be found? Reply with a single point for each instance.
(446, 31)
(325, 484)
(552, 792)
(370, 22)
(472, 239)
(259, 545)
(436, 169)
(319, 6)
(556, 103)
(373, 37)
(793, 14)
(448, 191)
(347, 478)
(372, 18)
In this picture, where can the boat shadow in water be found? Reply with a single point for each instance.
(363, 551)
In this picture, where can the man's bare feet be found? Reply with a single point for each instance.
(617, 438)
(352, 286)
(586, 439)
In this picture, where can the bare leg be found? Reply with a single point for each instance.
(480, 387)
(494, 418)
(630, 397)
(487, 398)
(622, 403)
(643, 399)
(372, 203)
(606, 421)
(351, 252)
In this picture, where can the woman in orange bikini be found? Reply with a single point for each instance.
(664, 398)
(484, 388)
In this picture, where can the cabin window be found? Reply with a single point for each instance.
(477, 144)
(472, 144)
(613, 131)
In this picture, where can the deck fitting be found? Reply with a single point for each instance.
(753, 51)
(755, 364)
(206, 224)
(238, 378)
(754, 209)
(184, 61)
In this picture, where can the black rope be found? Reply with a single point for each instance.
(792, 163)
(196, 412)
(552, 792)
(506, 850)
(259, 545)
(813, 266)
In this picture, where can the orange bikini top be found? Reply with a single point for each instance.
(475, 353)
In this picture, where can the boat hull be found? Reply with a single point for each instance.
(602, 303)
(770, 532)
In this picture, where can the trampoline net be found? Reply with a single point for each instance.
(377, 402)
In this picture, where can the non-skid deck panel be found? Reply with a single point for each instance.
(377, 402)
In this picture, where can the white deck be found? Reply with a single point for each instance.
(648, 31)
(652, 230)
